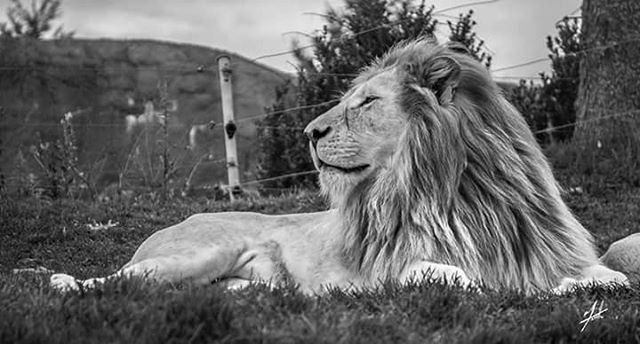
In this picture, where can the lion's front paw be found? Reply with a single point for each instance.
(596, 275)
(63, 282)
(440, 273)
(567, 285)
(457, 277)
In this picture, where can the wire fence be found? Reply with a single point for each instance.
(203, 68)
(598, 119)
(583, 51)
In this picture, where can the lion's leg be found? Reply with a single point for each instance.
(172, 269)
(262, 263)
(441, 273)
(598, 275)
(202, 266)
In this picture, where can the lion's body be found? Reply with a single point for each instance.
(428, 168)
(249, 246)
(238, 247)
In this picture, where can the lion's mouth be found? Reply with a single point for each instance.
(356, 169)
(321, 165)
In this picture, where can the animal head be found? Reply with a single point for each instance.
(425, 159)
(411, 94)
(355, 139)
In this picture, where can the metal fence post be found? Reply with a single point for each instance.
(225, 73)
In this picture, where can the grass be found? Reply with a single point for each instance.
(54, 234)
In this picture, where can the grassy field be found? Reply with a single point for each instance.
(56, 235)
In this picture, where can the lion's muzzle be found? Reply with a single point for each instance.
(328, 164)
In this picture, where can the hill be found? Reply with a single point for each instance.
(108, 85)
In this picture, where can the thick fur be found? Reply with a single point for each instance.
(470, 187)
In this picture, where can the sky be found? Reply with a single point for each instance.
(513, 30)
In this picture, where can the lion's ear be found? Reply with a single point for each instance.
(441, 76)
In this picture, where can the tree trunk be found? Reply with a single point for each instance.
(607, 137)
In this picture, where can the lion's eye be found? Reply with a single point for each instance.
(369, 100)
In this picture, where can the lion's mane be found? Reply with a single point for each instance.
(469, 186)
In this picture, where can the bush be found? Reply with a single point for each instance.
(462, 32)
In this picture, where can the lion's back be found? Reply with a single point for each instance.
(224, 231)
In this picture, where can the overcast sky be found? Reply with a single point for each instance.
(514, 30)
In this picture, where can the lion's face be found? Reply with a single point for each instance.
(357, 137)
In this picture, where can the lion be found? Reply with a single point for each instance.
(430, 173)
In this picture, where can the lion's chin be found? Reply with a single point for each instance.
(336, 184)
(324, 167)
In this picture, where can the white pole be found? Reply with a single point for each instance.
(224, 68)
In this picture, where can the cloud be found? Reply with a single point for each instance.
(514, 30)
(115, 23)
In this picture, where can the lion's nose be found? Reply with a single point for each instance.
(315, 134)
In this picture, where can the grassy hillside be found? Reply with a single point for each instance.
(56, 235)
(103, 81)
